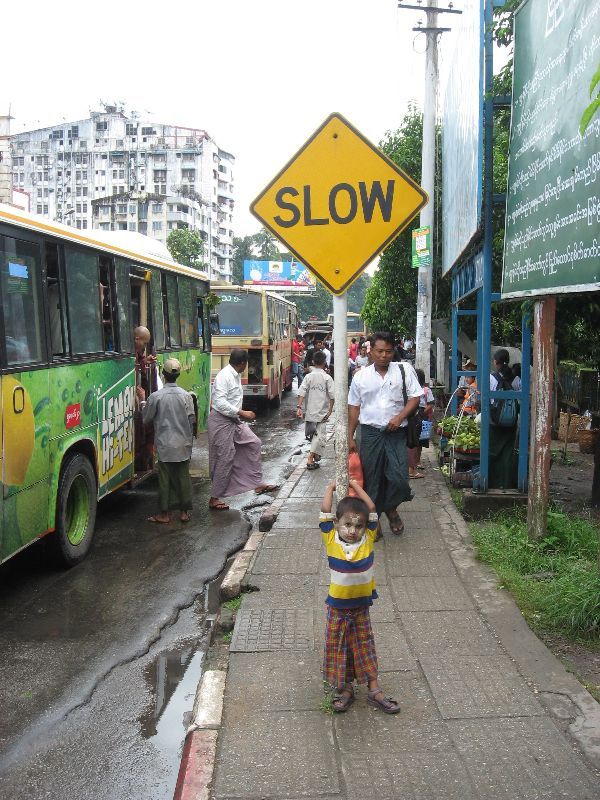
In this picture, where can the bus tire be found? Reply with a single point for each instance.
(75, 509)
(276, 401)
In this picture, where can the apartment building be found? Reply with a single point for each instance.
(115, 172)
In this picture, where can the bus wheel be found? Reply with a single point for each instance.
(276, 401)
(75, 509)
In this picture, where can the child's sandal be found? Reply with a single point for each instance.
(386, 704)
(343, 700)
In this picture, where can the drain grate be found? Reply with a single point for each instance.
(259, 629)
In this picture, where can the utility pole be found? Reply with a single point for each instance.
(424, 278)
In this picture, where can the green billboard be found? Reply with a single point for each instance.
(552, 242)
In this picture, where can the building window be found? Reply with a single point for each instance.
(102, 126)
(148, 132)
(131, 226)
(38, 209)
(130, 130)
(188, 174)
(157, 208)
(84, 224)
(157, 226)
(160, 176)
(121, 208)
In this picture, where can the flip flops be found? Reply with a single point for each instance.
(218, 506)
(270, 487)
(312, 465)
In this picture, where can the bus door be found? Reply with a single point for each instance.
(26, 403)
(141, 280)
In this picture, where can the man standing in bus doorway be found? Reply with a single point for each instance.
(376, 399)
(171, 409)
(233, 449)
(297, 358)
(145, 383)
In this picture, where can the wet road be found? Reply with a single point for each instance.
(100, 663)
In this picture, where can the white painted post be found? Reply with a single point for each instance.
(340, 351)
(423, 332)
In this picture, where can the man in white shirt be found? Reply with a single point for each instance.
(376, 401)
(233, 449)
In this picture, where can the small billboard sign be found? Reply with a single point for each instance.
(278, 275)
(421, 247)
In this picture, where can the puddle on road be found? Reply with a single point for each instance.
(173, 677)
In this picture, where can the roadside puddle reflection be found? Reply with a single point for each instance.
(173, 677)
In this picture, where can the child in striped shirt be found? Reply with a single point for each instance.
(349, 644)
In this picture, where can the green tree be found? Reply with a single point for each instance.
(186, 247)
(243, 250)
(317, 305)
(357, 293)
(391, 297)
(266, 244)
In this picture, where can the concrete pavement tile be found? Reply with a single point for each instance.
(274, 754)
(479, 686)
(280, 538)
(522, 758)
(258, 629)
(393, 653)
(417, 539)
(432, 633)
(278, 587)
(311, 485)
(416, 519)
(277, 681)
(409, 776)
(364, 730)
(420, 564)
(383, 609)
(430, 594)
(271, 561)
(306, 520)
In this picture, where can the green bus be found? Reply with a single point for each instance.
(69, 418)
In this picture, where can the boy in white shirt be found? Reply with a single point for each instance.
(318, 385)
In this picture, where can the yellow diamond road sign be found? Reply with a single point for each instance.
(338, 203)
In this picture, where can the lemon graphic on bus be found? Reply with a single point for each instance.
(19, 431)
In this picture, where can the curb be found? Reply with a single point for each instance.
(200, 744)
(270, 514)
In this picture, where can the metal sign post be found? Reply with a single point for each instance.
(340, 352)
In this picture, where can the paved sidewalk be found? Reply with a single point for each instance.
(452, 649)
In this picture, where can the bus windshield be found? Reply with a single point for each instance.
(239, 314)
(355, 324)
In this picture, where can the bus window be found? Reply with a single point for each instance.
(239, 314)
(58, 330)
(107, 294)
(187, 311)
(170, 290)
(83, 294)
(20, 264)
(158, 313)
(125, 322)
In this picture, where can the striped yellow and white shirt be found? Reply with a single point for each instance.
(352, 582)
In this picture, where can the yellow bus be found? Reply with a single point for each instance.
(69, 302)
(264, 324)
(356, 326)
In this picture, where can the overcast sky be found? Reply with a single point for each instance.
(258, 75)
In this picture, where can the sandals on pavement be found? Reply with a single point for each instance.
(416, 475)
(312, 465)
(218, 506)
(343, 700)
(396, 524)
(154, 518)
(387, 704)
(268, 487)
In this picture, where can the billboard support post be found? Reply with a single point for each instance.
(340, 352)
(544, 315)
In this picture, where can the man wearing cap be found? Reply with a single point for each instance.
(171, 409)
